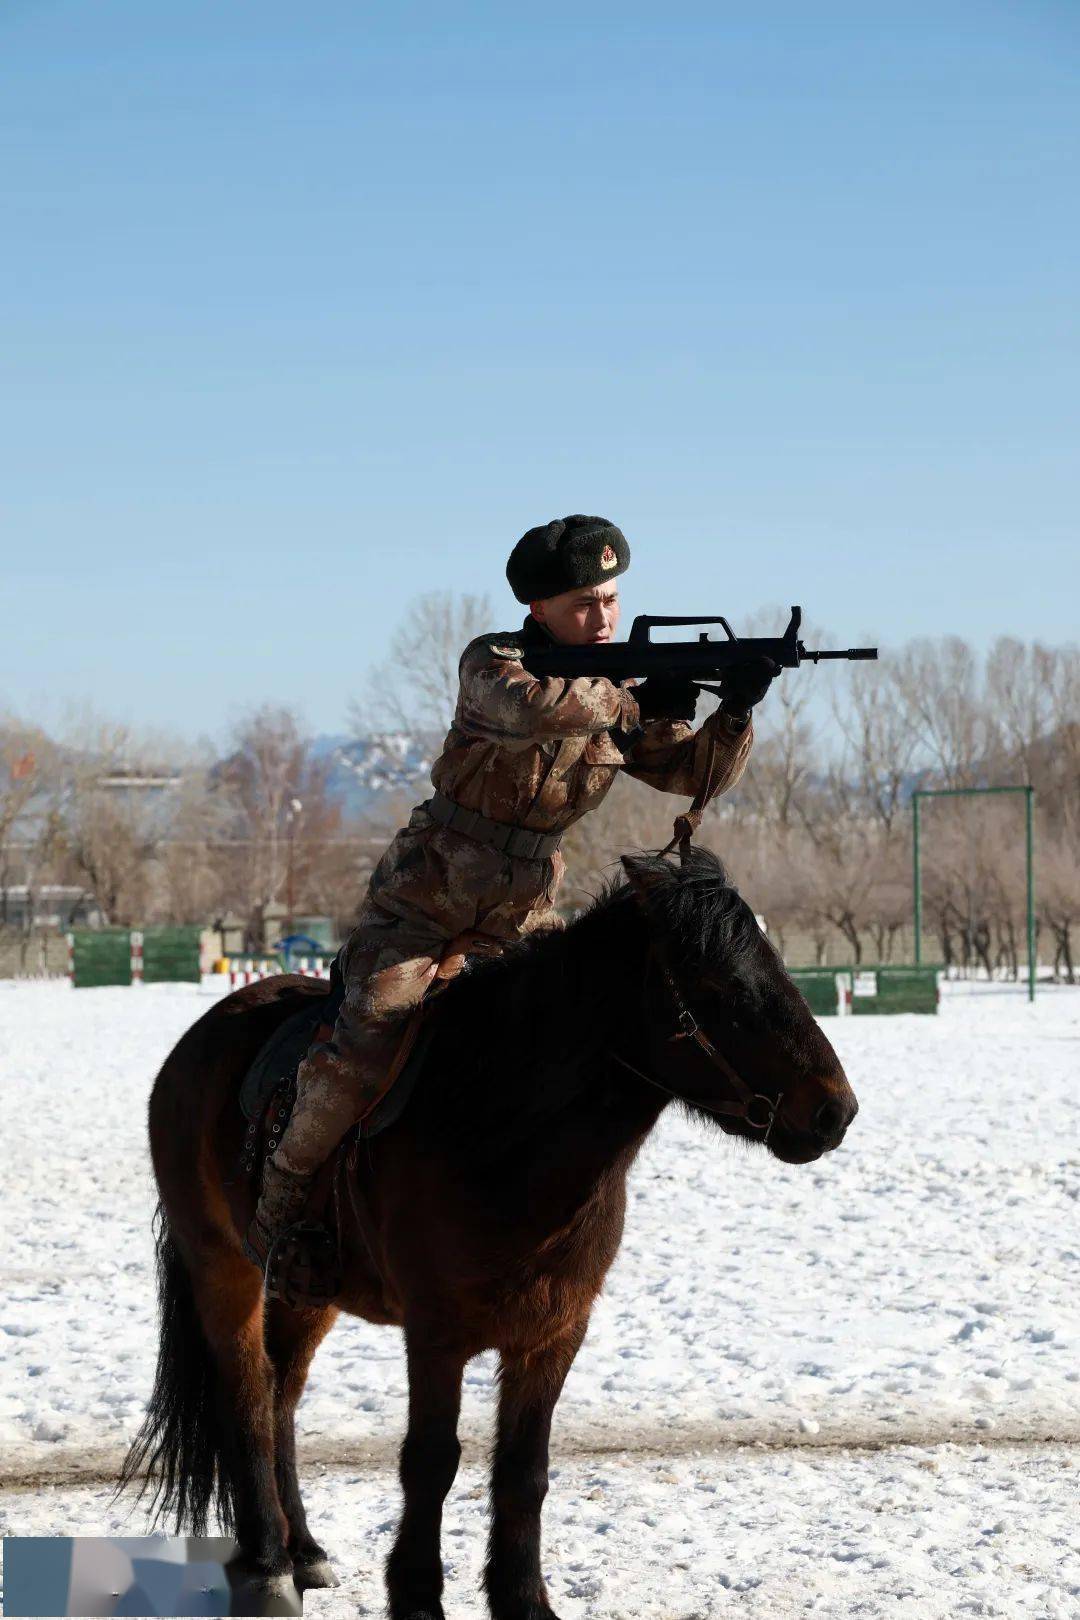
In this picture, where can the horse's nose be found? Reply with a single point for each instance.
(833, 1118)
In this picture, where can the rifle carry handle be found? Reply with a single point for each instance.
(639, 630)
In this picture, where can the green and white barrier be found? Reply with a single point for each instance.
(100, 956)
(868, 990)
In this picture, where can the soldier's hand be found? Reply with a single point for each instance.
(666, 699)
(743, 685)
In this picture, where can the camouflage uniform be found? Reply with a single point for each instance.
(534, 753)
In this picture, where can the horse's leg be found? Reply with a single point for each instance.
(531, 1383)
(429, 1461)
(292, 1338)
(230, 1305)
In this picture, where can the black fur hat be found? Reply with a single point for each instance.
(564, 554)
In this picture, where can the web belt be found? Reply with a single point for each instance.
(516, 841)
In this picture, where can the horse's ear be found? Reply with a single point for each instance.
(644, 876)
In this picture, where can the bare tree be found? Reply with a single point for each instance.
(27, 776)
(816, 835)
(187, 877)
(882, 737)
(1059, 892)
(282, 814)
(938, 684)
(1055, 768)
(779, 779)
(415, 689)
(1020, 683)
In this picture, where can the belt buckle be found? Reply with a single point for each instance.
(501, 835)
(464, 821)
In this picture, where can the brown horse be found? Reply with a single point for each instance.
(486, 1218)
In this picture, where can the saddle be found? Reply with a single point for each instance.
(268, 1089)
(274, 1065)
(303, 1266)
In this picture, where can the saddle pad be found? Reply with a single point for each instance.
(393, 1105)
(278, 1059)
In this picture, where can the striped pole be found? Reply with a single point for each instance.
(247, 970)
(313, 967)
(136, 957)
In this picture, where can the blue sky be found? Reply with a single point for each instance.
(309, 308)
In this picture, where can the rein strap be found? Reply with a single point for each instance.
(754, 1107)
(687, 824)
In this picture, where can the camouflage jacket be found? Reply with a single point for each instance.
(535, 753)
(540, 753)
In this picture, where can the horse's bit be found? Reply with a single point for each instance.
(757, 1110)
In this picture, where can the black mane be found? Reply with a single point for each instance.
(701, 915)
(693, 905)
(566, 992)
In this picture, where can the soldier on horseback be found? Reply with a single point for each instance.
(478, 865)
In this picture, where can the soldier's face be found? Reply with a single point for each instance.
(579, 618)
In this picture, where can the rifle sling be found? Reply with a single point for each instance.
(687, 824)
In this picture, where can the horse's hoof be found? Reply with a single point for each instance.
(532, 1612)
(314, 1572)
(253, 1593)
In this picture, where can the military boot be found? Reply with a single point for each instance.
(297, 1257)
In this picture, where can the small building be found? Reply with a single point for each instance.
(48, 905)
(269, 924)
(321, 929)
(231, 935)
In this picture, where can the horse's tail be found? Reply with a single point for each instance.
(177, 1452)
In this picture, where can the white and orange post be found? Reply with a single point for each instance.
(246, 970)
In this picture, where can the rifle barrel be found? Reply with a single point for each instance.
(851, 652)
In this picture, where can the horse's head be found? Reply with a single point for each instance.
(728, 1030)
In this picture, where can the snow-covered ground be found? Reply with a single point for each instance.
(851, 1388)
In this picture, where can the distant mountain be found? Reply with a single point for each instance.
(363, 770)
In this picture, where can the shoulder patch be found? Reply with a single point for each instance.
(505, 647)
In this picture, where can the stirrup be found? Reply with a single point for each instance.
(302, 1267)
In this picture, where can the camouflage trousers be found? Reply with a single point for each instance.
(430, 887)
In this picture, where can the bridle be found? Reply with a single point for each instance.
(753, 1107)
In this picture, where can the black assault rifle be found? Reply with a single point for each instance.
(698, 661)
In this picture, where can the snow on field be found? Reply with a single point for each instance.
(826, 1389)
